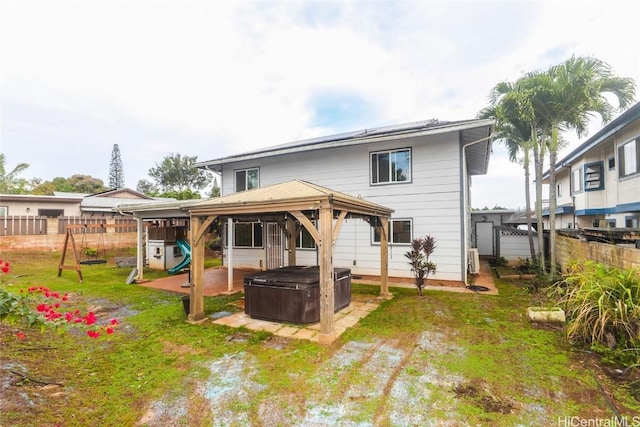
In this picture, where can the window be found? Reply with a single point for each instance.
(593, 176)
(247, 179)
(51, 213)
(576, 180)
(559, 190)
(304, 240)
(4, 211)
(400, 232)
(632, 221)
(612, 163)
(629, 156)
(611, 223)
(391, 166)
(247, 234)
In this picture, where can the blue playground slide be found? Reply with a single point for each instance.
(186, 251)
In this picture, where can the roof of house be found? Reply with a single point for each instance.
(124, 193)
(75, 198)
(619, 123)
(107, 200)
(413, 129)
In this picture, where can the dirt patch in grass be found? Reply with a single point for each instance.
(477, 392)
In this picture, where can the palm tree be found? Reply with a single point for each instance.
(567, 96)
(9, 181)
(516, 137)
(514, 113)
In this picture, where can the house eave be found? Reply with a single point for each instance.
(602, 135)
(345, 140)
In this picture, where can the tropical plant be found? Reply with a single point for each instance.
(562, 98)
(602, 304)
(515, 134)
(9, 181)
(567, 97)
(421, 249)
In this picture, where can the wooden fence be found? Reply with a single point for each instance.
(41, 233)
(23, 225)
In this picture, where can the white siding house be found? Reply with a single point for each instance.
(598, 184)
(421, 170)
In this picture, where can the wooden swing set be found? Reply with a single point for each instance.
(84, 256)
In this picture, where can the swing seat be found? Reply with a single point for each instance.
(93, 262)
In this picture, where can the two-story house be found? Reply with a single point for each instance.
(598, 184)
(421, 170)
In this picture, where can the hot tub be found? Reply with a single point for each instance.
(292, 294)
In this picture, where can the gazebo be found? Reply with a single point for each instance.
(291, 204)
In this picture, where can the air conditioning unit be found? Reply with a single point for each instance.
(474, 261)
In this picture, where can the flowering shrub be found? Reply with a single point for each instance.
(39, 306)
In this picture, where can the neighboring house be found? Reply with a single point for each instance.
(70, 204)
(104, 202)
(598, 184)
(43, 206)
(420, 170)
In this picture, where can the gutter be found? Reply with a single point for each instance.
(465, 248)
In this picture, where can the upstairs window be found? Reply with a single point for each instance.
(247, 179)
(594, 176)
(629, 156)
(391, 166)
(576, 180)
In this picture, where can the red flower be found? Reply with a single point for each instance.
(21, 336)
(109, 330)
(68, 316)
(42, 308)
(90, 318)
(114, 321)
(93, 334)
(65, 297)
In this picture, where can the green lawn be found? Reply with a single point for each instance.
(445, 359)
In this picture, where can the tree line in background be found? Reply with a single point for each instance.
(532, 112)
(174, 177)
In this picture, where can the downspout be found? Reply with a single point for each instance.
(465, 246)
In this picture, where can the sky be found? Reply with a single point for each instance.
(215, 78)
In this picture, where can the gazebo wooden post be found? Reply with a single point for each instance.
(327, 303)
(292, 236)
(384, 257)
(198, 227)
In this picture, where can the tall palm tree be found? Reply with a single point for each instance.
(512, 102)
(9, 181)
(568, 96)
(516, 137)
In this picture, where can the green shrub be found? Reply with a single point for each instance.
(421, 266)
(602, 305)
